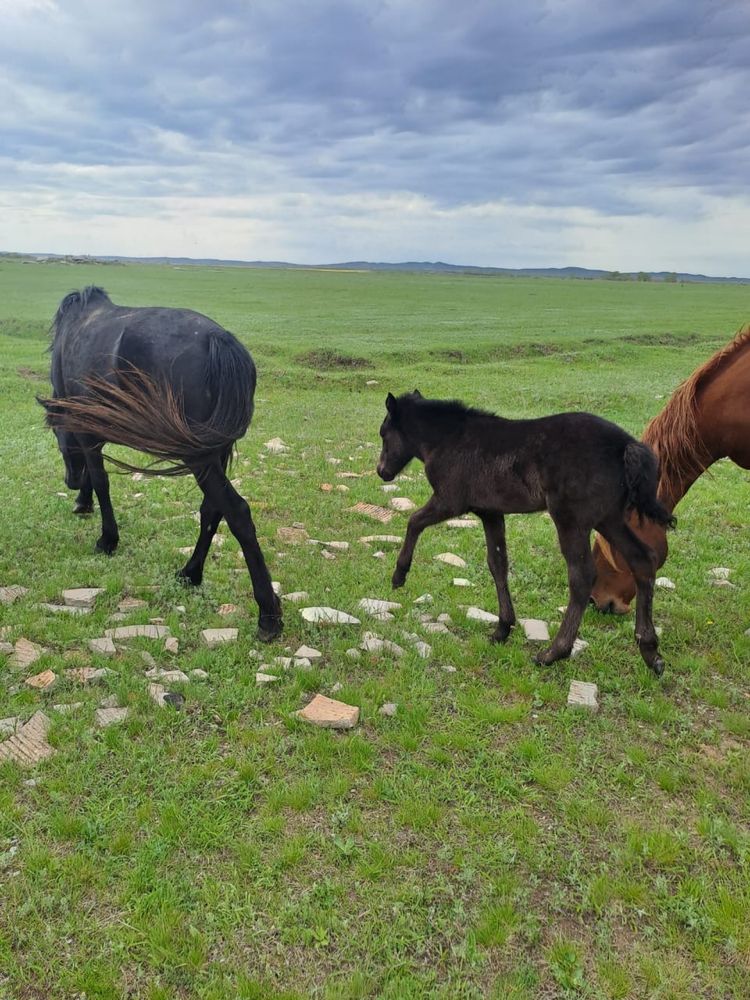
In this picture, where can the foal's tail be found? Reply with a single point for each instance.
(641, 480)
(141, 413)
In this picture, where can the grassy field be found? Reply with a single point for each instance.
(486, 841)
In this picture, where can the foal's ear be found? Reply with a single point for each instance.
(417, 394)
(390, 404)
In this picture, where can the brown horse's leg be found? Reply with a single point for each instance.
(575, 545)
(642, 562)
(431, 513)
(497, 560)
(99, 479)
(222, 496)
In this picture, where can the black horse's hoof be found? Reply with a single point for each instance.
(500, 634)
(398, 580)
(658, 666)
(105, 546)
(83, 508)
(545, 658)
(189, 579)
(270, 629)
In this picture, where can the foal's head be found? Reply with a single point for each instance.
(397, 450)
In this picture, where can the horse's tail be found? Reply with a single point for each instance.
(641, 481)
(141, 413)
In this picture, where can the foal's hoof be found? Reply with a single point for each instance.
(270, 628)
(501, 633)
(398, 580)
(545, 657)
(106, 546)
(83, 508)
(188, 578)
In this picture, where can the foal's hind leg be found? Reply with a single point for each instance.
(497, 560)
(642, 562)
(84, 501)
(431, 513)
(576, 547)
(99, 479)
(220, 493)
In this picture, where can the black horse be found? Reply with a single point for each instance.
(587, 472)
(169, 382)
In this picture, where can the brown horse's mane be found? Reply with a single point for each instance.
(674, 434)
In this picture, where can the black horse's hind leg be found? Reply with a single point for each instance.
(221, 495)
(431, 513)
(642, 562)
(575, 545)
(192, 571)
(497, 560)
(84, 501)
(99, 479)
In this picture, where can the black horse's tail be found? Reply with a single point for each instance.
(141, 413)
(641, 481)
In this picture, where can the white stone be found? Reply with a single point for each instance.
(402, 503)
(423, 599)
(462, 522)
(337, 546)
(67, 707)
(276, 446)
(719, 573)
(535, 629)
(722, 583)
(460, 581)
(372, 643)
(578, 647)
(448, 668)
(478, 615)
(284, 662)
(328, 616)
(374, 606)
(664, 582)
(65, 609)
(109, 716)
(10, 725)
(390, 487)
(276, 588)
(445, 618)
(10, 594)
(423, 649)
(214, 637)
(436, 628)
(451, 559)
(308, 652)
(105, 646)
(198, 674)
(261, 678)
(297, 596)
(381, 539)
(582, 694)
(138, 632)
(378, 555)
(171, 644)
(81, 597)
(329, 713)
(389, 709)
(303, 662)
(353, 654)
(168, 676)
(25, 653)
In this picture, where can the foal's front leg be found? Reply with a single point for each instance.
(110, 536)
(432, 513)
(497, 560)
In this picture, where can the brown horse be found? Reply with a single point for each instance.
(707, 418)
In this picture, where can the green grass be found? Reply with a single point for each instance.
(485, 841)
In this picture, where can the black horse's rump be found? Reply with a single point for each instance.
(171, 383)
(587, 472)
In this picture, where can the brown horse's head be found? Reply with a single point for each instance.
(614, 588)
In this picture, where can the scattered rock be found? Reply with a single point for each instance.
(261, 678)
(10, 594)
(535, 629)
(462, 522)
(109, 716)
(10, 725)
(138, 632)
(664, 582)
(722, 583)
(719, 573)
(25, 653)
(303, 662)
(373, 606)
(436, 628)
(337, 546)
(326, 487)
(582, 694)
(578, 647)
(423, 599)
(478, 615)
(372, 643)
(43, 681)
(168, 676)
(448, 668)
(423, 649)
(338, 686)
(389, 709)
(109, 702)
(276, 446)
(292, 536)
(372, 510)
(372, 381)
(29, 745)
(353, 654)
(450, 559)
(460, 581)
(276, 587)
(65, 609)
(171, 644)
(214, 637)
(307, 652)
(297, 596)
(381, 539)
(105, 646)
(128, 604)
(328, 616)
(227, 609)
(81, 597)
(329, 713)
(162, 697)
(198, 674)
(402, 503)
(66, 708)
(378, 555)
(389, 487)
(87, 675)
(445, 618)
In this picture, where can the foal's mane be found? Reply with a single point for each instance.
(77, 301)
(445, 412)
(673, 433)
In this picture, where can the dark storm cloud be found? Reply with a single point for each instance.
(554, 103)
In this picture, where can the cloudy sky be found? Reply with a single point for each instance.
(534, 133)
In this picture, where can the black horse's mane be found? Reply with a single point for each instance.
(444, 413)
(77, 301)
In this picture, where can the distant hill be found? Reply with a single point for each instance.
(440, 267)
